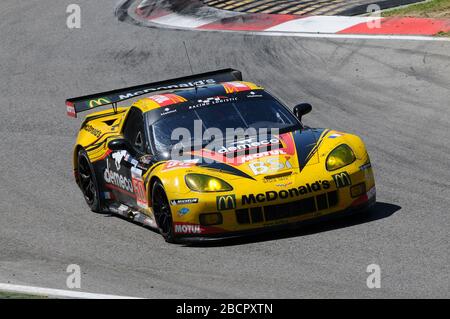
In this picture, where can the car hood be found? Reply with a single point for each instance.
(263, 158)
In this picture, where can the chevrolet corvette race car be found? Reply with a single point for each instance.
(245, 162)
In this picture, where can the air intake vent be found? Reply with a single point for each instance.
(287, 210)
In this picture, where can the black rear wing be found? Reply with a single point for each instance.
(88, 102)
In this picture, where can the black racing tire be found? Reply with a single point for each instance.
(88, 182)
(162, 212)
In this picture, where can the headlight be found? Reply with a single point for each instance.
(339, 157)
(205, 183)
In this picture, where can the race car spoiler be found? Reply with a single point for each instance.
(88, 102)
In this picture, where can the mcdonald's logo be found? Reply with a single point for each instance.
(342, 179)
(98, 102)
(226, 202)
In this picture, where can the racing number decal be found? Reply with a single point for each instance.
(138, 186)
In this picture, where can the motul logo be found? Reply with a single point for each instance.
(188, 229)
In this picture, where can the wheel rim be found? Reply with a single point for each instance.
(87, 181)
(162, 210)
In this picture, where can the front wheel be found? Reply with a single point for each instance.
(162, 212)
(88, 182)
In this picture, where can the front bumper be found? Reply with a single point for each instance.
(198, 238)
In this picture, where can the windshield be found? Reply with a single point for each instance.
(256, 113)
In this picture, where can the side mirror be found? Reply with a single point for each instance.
(302, 109)
(120, 145)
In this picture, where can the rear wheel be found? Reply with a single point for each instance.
(162, 212)
(88, 182)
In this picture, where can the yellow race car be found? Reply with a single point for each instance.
(210, 156)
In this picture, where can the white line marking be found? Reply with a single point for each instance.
(47, 292)
(320, 24)
(178, 20)
(352, 36)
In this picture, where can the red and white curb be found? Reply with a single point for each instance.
(307, 26)
(56, 293)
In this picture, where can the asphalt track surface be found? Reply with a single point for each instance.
(395, 94)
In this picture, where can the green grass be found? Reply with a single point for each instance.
(428, 9)
(11, 295)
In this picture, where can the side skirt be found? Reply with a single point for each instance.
(132, 215)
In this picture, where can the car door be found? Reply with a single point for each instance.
(126, 170)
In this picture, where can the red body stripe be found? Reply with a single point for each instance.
(106, 154)
(113, 187)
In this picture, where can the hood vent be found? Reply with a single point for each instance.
(278, 175)
(109, 122)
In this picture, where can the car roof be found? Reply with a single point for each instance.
(172, 97)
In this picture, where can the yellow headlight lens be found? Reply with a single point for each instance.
(341, 156)
(205, 183)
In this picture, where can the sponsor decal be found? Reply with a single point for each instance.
(168, 87)
(90, 129)
(167, 99)
(184, 201)
(215, 99)
(212, 100)
(285, 194)
(252, 157)
(183, 211)
(98, 102)
(226, 202)
(342, 180)
(334, 135)
(253, 94)
(139, 188)
(247, 144)
(168, 111)
(270, 165)
(187, 228)
(118, 180)
(118, 157)
(365, 166)
(130, 159)
(284, 184)
(71, 111)
(146, 159)
(234, 87)
(179, 164)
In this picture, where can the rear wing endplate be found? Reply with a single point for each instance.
(88, 102)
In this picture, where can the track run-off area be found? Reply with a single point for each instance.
(393, 93)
